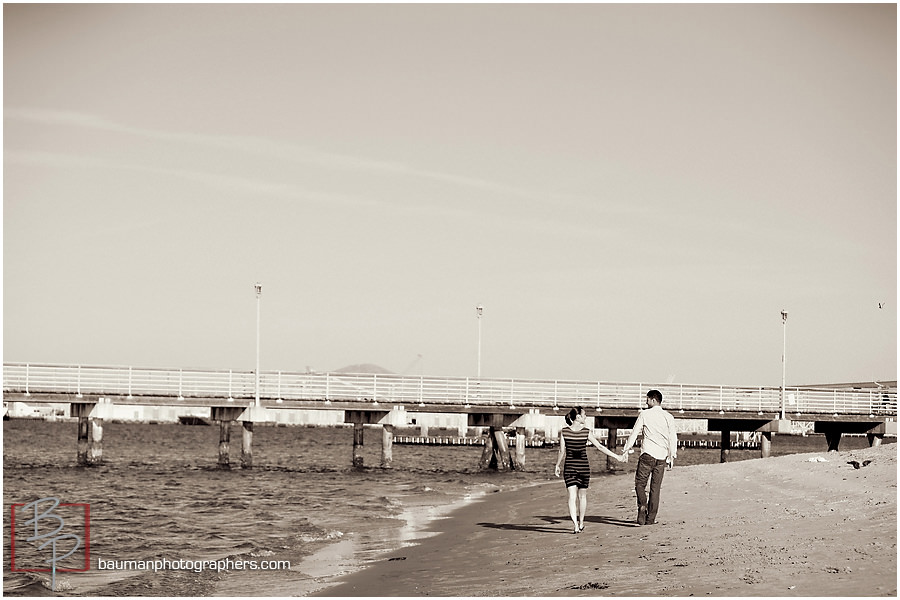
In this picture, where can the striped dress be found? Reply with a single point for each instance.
(577, 470)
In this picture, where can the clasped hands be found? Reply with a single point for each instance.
(623, 458)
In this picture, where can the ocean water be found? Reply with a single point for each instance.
(159, 496)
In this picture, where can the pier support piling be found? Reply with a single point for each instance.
(358, 445)
(496, 451)
(501, 449)
(612, 438)
(247, 444)
(765, 444)
(90, 430)
(726, 446)
(487, 454)
(224, 415)
(388, 419)
(874, 430)
(84, 434)
(224, 443)
(833, 438)
(519, 456)
(95, 447)
(387, 446)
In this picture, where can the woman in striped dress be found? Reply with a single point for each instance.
(573, 440)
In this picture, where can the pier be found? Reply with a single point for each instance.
(387, 401)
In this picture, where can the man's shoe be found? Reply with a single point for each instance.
(642, 516)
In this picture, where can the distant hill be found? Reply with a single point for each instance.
(364, 368)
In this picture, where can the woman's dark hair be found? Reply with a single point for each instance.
(570, 418)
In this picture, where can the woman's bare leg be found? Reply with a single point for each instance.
(582, 501)
(573, 492)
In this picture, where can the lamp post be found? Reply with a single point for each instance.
(478, 310)
(783, 353)
(258, 288)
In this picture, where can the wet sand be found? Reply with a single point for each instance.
(781, 526)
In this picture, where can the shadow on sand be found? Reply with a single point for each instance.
(552, 524)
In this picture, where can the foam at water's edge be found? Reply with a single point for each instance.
(419, 521)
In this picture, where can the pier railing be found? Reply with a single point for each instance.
(78, 380)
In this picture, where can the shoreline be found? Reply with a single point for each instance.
(355, 552)
(794, 525)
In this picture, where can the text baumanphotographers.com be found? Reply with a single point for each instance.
(197, 566)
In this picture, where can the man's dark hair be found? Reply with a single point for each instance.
(655, 395)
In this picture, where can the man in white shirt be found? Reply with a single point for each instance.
(658, 449)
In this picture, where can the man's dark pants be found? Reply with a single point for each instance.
(652, 469)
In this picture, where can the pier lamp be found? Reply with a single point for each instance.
(783, 353)
(258, 288)
(478, 310)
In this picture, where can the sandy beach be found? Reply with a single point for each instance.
(797, 525)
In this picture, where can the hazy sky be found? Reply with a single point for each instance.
(632, 192)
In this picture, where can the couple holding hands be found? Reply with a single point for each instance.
(658, 449)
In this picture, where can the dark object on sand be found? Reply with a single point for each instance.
(854, 463)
